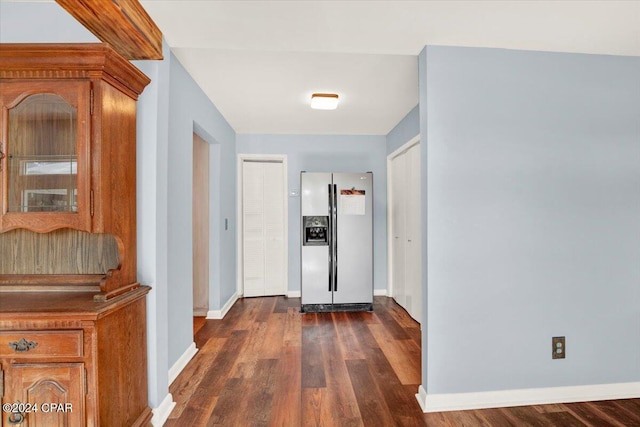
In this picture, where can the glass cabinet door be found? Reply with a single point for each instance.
(45, 155)
(42, 158)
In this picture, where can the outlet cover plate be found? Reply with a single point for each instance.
(559, 348)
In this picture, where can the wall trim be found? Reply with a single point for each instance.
(526, 397)
(404, 147)
(219, 314)
(380, 293)
(422, 398)
(162, 412)
(182, 361)
(294, 294)
(200, 312)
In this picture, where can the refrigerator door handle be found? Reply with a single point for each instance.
(335, 237)
(330, 238)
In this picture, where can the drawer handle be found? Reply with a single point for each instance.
(15, 418)
(22, 345)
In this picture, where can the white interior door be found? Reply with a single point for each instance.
(413, 267)
(263, 228)
(398, 211)
(406, 231)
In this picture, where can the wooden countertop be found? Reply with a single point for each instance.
(72, 305)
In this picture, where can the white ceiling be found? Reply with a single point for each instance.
(259, 61)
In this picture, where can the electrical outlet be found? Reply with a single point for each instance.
(559, 348)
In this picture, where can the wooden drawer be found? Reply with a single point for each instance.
(40, 343)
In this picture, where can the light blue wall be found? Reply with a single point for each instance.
(328, 153)
(40, 22)
(190, 110)
(533, 218)
(404, 131)
(152, 174)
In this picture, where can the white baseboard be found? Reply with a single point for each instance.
(293, 294)
(219, 314)
(525, 397)
(177, 367)
(422, 398)
(162, 412)
(200, 312)
(379, 292)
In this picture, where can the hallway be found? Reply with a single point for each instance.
(265, 364)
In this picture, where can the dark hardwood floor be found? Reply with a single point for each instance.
(266, 364)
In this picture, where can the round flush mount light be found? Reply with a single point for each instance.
(324, 101)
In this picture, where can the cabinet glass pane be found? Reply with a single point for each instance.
(42, 175)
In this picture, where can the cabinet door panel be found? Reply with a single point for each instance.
(56, 392)
(45, 167)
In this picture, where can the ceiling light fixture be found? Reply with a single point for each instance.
(324, 101)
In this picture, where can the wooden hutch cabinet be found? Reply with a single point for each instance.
(72, 314)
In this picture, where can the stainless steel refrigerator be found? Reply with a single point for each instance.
(337, 241)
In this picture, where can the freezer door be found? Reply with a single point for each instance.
(315, 260)
(354, 242)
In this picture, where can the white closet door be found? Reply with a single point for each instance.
(253, 228)
(398, 210)
(413, 267)
(273, 229)
(405, 227)
(263, 228)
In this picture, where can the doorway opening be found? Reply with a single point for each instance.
(200, 231)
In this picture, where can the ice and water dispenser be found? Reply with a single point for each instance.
(316, 231)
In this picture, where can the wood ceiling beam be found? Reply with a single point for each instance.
(124, 24)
